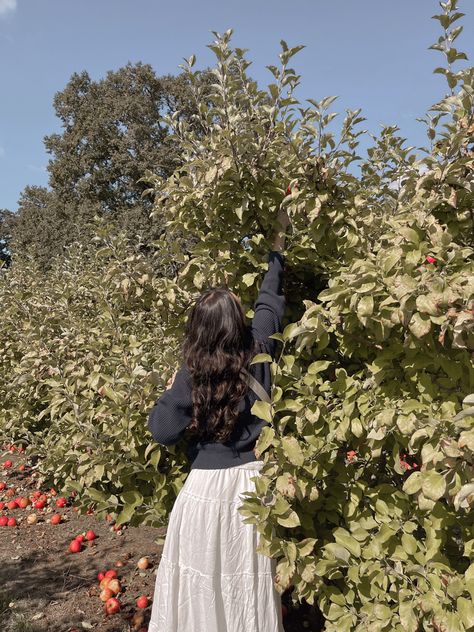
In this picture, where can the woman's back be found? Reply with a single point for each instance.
(172, 412)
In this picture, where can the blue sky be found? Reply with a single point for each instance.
(373, 54)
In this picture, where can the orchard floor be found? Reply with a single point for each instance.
(45, 588)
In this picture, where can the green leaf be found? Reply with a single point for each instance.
(419, 325)
(264, 440)
(249, 278)
(408, 617)
(132, 497)
(409, 543)
(365, 306)
(126, 514)
(95, 494)
(344, 538)
(262, 410)
(318, 366)
(290, 521)
(466, 610)
(337, 551)
(292, 330)
(261, 357)
(433, 484)
(292, 450)
(426, 305)
(413, 483)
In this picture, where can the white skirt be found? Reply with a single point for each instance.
(210, 577)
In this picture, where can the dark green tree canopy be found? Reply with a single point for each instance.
(113, 132)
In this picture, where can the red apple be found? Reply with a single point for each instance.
(7, 464)
(55, 519)
(3, 521)
(75, 546)
(112, 606)
(90, 535)
(142, 602)
(106, 594)
(111, 573)
(11, 522)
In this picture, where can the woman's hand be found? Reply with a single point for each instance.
(169, 383)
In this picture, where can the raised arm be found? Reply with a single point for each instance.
(172, 412)
(270, 304)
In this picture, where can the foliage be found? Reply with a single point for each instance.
(366, 492)
(112, 133)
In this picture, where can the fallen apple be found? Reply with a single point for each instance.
(106, 594)
(142, 602)
(114, 585)
(143, 563)
(112, 606)
(75, 546)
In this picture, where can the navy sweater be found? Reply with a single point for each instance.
(171, 413)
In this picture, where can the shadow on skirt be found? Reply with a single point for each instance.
(210, 577)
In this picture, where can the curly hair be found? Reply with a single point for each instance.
(218, 344)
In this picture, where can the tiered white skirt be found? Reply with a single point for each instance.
(210, 577)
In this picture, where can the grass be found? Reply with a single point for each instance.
(11, 620)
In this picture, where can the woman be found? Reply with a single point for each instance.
(210, 577)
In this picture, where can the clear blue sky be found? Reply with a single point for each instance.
(371, 53)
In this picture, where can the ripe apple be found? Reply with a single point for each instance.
(2, 505)
(11, 522)
(106, 594)
(61, 502)
(100, 576)
(3, 521)
(90, 535)
(55, 519)
(142, 602)
(75, 546)
(114, 585)
(111, 573)
(39, 504)
(104, 582)
(7, 464)
(80, 537)
(24, 502)
(143, 563)
(2, 486)
(112, 606)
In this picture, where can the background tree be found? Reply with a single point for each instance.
(7, 219)
(113, 132)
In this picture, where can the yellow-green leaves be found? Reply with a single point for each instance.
(263, 410)
(433, 484)
(292, 450)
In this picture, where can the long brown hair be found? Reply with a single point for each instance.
(218, 344)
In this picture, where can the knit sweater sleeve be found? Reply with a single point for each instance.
(172, 412)
(270, 304)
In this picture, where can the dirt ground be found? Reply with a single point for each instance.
(45, 588)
